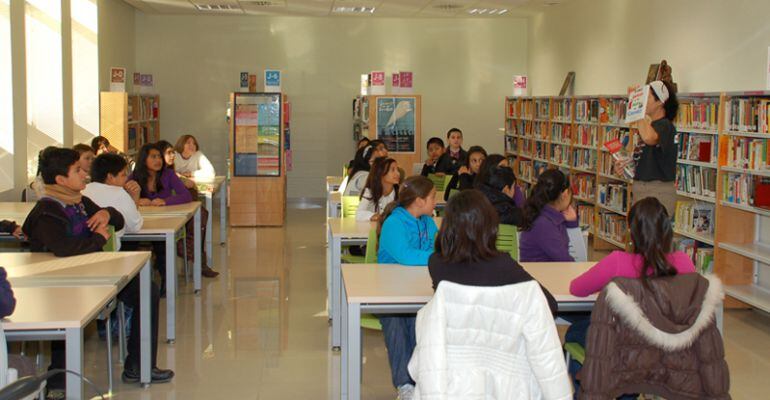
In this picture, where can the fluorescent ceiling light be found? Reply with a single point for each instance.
(487, 11)
(360, 10)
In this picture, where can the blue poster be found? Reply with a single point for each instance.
(245, 80)
(272, 77)
(396, 123)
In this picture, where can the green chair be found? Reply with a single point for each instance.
(453, 193)
(440, 182)
(112, 242)
(574, 351)
(508, 240)
(350, 206)
(369, 321)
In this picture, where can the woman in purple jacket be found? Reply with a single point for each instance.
(161, 187)
(548, 212)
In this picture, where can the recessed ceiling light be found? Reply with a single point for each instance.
(487, 11)
(217, 7)
(355, 10)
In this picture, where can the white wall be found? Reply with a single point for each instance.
(116, 41)
(712, 45)
(463, 69)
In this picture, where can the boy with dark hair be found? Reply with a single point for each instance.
(435, 150)
(500, 189)
(454, 156)
(67, 223)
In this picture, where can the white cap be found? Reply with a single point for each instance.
(660, 90)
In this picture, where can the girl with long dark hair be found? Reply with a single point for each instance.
(548, 212)
(467, 173)
(359, 172)
(381, 189)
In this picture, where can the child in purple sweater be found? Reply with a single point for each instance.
(548, 213)
(161, 187)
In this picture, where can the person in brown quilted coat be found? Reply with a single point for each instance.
(656, 336)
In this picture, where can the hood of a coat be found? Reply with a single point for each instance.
(673, 312)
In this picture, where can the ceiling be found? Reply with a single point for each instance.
(322, 8)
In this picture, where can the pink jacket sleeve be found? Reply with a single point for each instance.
(594, 280)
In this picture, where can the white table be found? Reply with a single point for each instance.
(187, 210)
(206, 189)
(396, 289)
(57, 297)
(342, 232)
(332, 201)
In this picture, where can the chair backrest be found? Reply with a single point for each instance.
(453, 193)
(344, 171)
(112, 242)
(508, 240)
(371, 248)
(439, 182)
(349, 206)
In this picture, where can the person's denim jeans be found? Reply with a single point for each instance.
(399, 332)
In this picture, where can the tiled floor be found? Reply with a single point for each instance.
(259, 330)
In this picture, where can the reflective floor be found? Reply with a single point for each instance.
(260, 331)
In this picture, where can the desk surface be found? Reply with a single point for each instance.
(162, 224)
(15, 211)
(186, 209)
(350, 228)
(57, 307)
(398, 284)
(334, 180)
(101, 264)
(210, 185)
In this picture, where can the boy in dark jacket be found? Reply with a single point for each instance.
(68, 224)
(7, 301)
(435, 148)
(500, 189)
(454, 157)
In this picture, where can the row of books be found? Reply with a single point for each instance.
(143, 109)
(613, 226)
(702, 255)
(525, 169)
(697, 180)
(613, 110)
(587, 110)
(606, 165)
(695, 217)
(560, 154)
(510, 144)
(584, 158)
(697, 147)
(587, 135)
(542, 107)
(541, 150)
(747, 153)
(561, 133)
(614, 196)
(138, 136)
(747, 114)
(540, 130)
(621, 134)
(584, 185)
(518, 127)
(746, 190)
(698, 114)
(520, 108)
(586, 215)
(562, 110)
(527, 146)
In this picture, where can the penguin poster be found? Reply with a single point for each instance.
(396, 123)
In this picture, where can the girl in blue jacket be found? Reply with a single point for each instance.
(407, 235)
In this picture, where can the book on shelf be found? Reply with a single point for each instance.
(561, 133)
(745, 189)
(510, 144)
(694, 217)
(701, 254)
(622, 135)
(542, 108)
(132, 137)
(538, 167)
(541, 150)
(696, 180)
(517, 127)
(587, 110)
(540, 130)
(747, 153)
(584, 158)
(562, 110)
(586, 135)
(618, 152)
(747, 114)
(697, 147)
(614, 196)
(612, 111)
(560, 154)
(586, 215)
(698, 114)
(583, 185)
(525, 169)
(613, 226)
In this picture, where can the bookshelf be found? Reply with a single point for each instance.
(129, 121)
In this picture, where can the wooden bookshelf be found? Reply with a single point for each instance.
(129, 121)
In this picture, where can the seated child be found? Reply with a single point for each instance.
(381, 189)
(454, 156)
(467, 173)
(435, 151)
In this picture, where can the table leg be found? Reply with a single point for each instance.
(336, 290)
(353, 345)
(223, 213)
(74, 361)
(145, 337)
(720, 317)
(197, 252)
(209, 228)
(328, 273)
(344, 369)
(171, 286)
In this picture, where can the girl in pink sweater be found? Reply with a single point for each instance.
(651, 235)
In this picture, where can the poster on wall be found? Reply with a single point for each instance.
(519, 85)
(397, 123)
(272, 81)
(117, 79)
(257, 132)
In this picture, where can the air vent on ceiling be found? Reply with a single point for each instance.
(217, 7)
(448, 7)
